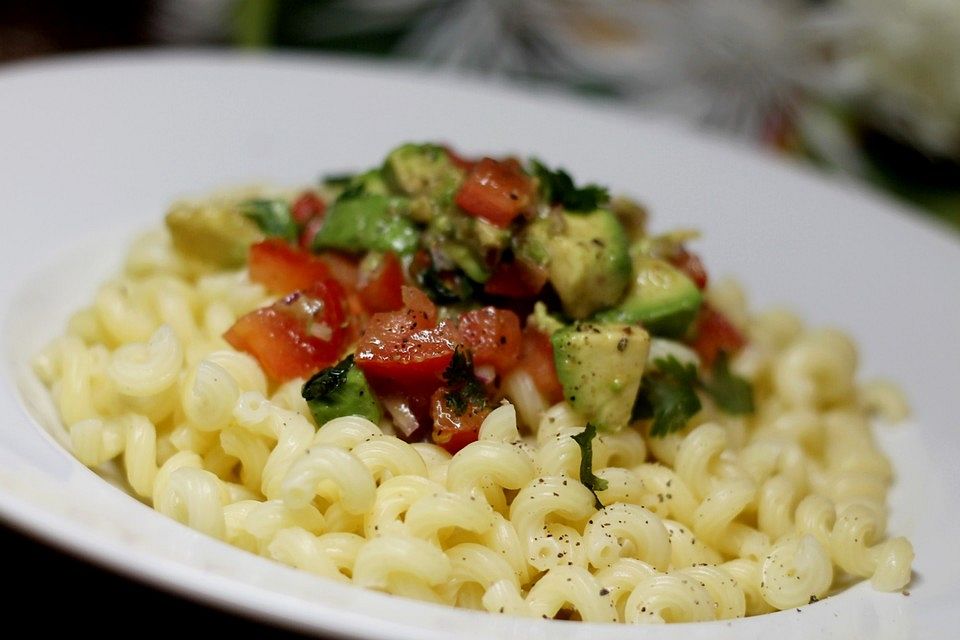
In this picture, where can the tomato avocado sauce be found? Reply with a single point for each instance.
(413, 290)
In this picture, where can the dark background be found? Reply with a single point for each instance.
(65, 594)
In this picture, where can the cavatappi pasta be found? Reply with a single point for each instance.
(731, 516)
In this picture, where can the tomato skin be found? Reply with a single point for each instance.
(516, 279)
(344, 268)
(407, 348)
(413, 360)
(496, 191)
(715, 333)
(381, 289)
(536, 358)
(417, 302)
(308, 205)
(691, 265)
(451, 430)
(283, 268)
(493, 337)
(295, 336)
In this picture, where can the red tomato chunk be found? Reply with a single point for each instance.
(536, 358)
(282, 268)
(496, 191)
(715, 333)
(492, 336)
(380, 289)
(295, 336)
(407, 347)
(690, 264)
(452, 430)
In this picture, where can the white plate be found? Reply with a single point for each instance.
(93, 149)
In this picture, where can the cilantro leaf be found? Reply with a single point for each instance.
(732, 393)
(325, 383)
(464, 389)
(337, 180)
(272, 216)
(445, 287)
(354, 190)
(668, 394)
(590, 481)
(557, 187)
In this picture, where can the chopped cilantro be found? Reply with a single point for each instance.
(337, 180)
(445, 287)
(557, 187)
(668, 394)
(732, 393)
(590, 481)
(324, 383)
(464, 390)
(272, 216)
(354, 190)
(340, 390)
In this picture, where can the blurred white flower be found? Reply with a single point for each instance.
(900, 61)
(727, 63)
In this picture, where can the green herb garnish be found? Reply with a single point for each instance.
(464, 389)
(587, 478)
(340, 390)
(328, 381)
(732, 393)
(272, 216)
(668, 394)
(338, 180)
(557, 187)
(445, 287)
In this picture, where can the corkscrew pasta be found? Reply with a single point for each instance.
(616, 455)
(731, 516)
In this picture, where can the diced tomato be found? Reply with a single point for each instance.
(283, 268)
(536, 358)
(715, 333)
(691, 265)
(310, 230)
(295, 336)
(408, 347)
(417, 301)
(517, 279)
(452, 430)
(496, 191)
(379, 289)
(344, 268)
(493, 337)
(307, 206)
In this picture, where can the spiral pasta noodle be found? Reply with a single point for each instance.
(731, 516)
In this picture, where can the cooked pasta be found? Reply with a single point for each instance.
(731, 515)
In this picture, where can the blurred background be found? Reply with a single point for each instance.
(869, 88)
(865, 88)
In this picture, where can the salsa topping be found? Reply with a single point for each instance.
(418, 287)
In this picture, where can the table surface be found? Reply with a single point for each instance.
(42, 573)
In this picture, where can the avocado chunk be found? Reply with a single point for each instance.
(368, 223)
(422, 170)
(219, 235)
(340, 390)
(662, 298)
(587, 259)
(600, 367)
